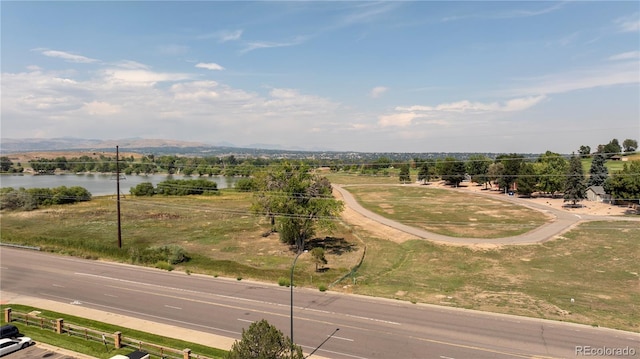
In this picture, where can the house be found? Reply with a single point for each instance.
(597, 194)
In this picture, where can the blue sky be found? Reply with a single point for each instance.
(415, 76)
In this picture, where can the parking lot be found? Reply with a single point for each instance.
(38, 351)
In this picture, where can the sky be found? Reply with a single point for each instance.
(401, 76)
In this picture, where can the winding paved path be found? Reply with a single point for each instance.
(561, 222)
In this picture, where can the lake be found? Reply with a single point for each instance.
(99, 184)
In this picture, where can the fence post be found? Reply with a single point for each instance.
(186, 354)
(117, 339)
(7, 315)
(59, 325)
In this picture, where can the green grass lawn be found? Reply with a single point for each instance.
(218, 232)
(612, 166)
(596, 264)
(449, 213)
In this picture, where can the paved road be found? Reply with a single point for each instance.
(369, 327)
(561, 222)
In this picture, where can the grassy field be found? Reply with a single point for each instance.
(449, 213)
(218, 232)
(595, 263)
(612, 166)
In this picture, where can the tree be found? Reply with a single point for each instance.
(598, 173)
(143, 189)
(478, 169)
(318, 257)
(527, 179)
(551, 169)
(451, 170)
(404, 174)
(630, 145)
(625, 184)
(574, 188)
(611, 148)
(511, 170)
(11, 199)
(299, 198)
(5, 164)
(423, 171)
(584, 151)
(495, 172)
(264, 341)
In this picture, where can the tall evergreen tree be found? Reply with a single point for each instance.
(575, 189)
(405, 174)
(527, 179)
(424, 172)
(598, 173)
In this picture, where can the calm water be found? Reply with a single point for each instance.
(98, 184)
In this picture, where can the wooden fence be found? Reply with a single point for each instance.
(116, 340)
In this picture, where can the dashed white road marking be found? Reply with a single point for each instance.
(172, 307)
(341, 338)
(245, 320)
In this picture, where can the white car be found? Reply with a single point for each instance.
(11, 345)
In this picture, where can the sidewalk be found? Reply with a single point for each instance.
(194, 336)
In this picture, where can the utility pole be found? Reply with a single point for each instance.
(118, 195)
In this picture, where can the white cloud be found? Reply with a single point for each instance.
(230, 35)
(378, 91)
(629, 23)
(68, 56)
(466, 106)
(397, 119)
(141, 77)
(508, 14)
(210, 66)
(610, 74)
(129, 64)
(223, 35)
(98, 108)
(631, 55)
(268, 44)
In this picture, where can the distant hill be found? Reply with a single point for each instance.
(10, 145)
(161, 147)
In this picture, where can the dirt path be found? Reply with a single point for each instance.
(561, 221)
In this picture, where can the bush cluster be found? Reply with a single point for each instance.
(177, 188)
(170, 254)
(32, 198)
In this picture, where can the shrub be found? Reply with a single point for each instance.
(172, 254)
(322, 288)
(143, 189)
(283, 282)
(246, 185)
(164, 265)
